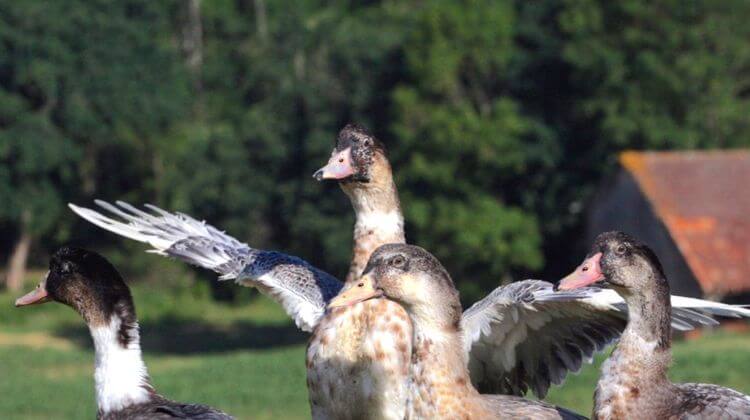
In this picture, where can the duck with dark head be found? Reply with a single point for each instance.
(439, 383)
(358, 356)
(359, 162)
(634, 381)
(89, 284)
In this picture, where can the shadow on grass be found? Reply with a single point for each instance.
(171, 335)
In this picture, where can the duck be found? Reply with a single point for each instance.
(440, 385)
(634, 382)
(358, 356)
(88, 283)
(359, 163)
(522, 337)
(356, 361)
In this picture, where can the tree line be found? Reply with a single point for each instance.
(501, 117)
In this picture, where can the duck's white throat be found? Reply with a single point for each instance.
(389, 222)
(120, 374)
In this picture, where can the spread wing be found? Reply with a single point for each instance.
(303, 290)
(526, 336)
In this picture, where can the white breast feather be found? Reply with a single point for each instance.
(382, 222)
(120, 372)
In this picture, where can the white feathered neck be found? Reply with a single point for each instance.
(120, 374)
(379, 219)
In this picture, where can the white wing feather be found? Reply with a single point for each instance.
(527, 336)
(302, 289)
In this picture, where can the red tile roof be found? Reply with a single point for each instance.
(703, 198)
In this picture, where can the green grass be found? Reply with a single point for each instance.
(246, 358)
(720, 358)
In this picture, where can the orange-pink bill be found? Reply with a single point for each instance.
(36, 296)
(589, 272)
(338, 167)
(362, 290)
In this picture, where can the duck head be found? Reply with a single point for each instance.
(411, 276)
(88, 283)
(618, 260)
(83, 280)
(356, 157)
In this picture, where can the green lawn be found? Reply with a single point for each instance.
(247, 359)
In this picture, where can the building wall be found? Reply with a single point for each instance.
(620, 205)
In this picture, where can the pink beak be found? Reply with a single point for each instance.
(589, 272)
(339, 166)
(38, 295)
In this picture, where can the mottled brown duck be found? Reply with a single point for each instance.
(634, 383)
(439, 385)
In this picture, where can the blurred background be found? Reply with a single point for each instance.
(505, 123)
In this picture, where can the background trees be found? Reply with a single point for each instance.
(86, 91)
(501, 116)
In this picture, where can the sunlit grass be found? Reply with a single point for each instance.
(719, 358)
(246, 358)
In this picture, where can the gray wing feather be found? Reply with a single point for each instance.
(303, 290)
(526, 336)
(187, 411)
(513, 407)
(161, 408)
(704, 401)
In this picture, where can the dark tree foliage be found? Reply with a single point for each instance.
(501, 116)
(86, 89)
(275, 95)
(464, 140)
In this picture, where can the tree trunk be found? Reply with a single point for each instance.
(17, 263)
(157, 168)
(89, 168)
(260, 19)
(192, 43)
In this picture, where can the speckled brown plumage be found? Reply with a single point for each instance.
(358, 356)
(358, 361)
(440, 386)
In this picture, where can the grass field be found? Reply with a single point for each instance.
(247, 359)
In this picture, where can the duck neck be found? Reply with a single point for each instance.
(379, 220)
(120, 374)
(645, 346)
(438, 362)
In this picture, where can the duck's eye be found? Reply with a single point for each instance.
(361, 285)
(398, 261)
(367, 143)
(620, 250)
